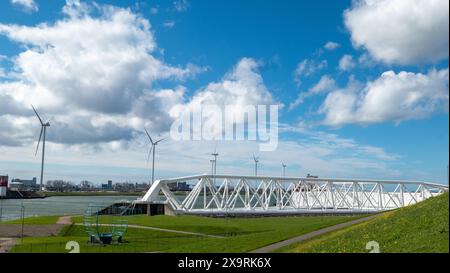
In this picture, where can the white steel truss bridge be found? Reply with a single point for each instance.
(247, 195)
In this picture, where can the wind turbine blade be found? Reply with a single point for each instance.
(160, 140)
(40, 135)
(151, 140)
(37, 115)
(215, 148)
(48, 120)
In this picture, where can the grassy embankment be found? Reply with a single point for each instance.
(423, 227)
(239, 234)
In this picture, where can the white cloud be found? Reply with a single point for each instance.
(243, 85)
(94, 74)
(308, 67)
(365, 60)
(27, 5)
(240, 87)
(324, 154)
(331, 45)
(84, 67)
(169, 24)
(391, 97)
(325, 84)
(236, 94)
(346, 63)
(400, 32)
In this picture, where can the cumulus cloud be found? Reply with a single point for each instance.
(346, 63)
(243, 85)
(95, 74)
(331, 45)
(100, 64)
(308, 67)
(85, 66)
(392, 97)
(400, 32)
(27, 5)
(325, 84)
(237, 94)
(240, 87)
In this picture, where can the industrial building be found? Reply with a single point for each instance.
(23, 184)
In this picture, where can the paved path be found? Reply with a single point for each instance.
(165, 230)
(272, 247)
(6, 244)
(64, 220)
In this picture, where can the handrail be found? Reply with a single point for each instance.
(290, 179)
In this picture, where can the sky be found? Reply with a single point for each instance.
(361, 86)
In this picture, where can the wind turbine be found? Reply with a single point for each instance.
(43, 130)
(214, 166)
(256, 159)
(215, 154)
(284, 168)
(153, 147)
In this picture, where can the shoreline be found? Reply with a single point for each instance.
(43, 195)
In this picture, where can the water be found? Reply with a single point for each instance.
(55, 205)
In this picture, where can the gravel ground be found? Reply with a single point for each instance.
(15, 231)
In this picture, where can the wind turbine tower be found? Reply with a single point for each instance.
(256, 159)
(153, 147)
(43, 131)
(215, 154)
(212, 166)
(284, 169)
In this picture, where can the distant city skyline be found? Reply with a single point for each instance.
(362, 90)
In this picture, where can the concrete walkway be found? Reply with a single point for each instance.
(6, 244)
(307, 236)
(64, 220)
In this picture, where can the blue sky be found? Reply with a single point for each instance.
(382, 111)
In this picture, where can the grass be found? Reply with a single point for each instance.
(421, 228)
(239, 234)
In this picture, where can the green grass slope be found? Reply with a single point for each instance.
(420, 228)
(239, 234)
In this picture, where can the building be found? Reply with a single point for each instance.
(3, 185)
(179, 186)
(23, 184)
(107, 186)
